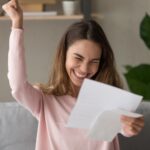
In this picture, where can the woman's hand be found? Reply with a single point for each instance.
(132, 126)
(14, 11)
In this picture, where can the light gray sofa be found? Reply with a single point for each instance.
(18, 129)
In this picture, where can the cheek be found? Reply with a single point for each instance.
(94, 68)
(69, 65)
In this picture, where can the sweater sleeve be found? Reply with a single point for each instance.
(22, 91)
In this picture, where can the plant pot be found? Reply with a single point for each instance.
(69, 7)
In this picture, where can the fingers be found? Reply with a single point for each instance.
(15, 13)
(16, 3)
(132, 126)
(12, 7)
(131, 131)
(7, 5)
(133, 121)
(13, 4)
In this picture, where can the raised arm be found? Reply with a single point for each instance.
(22, 91)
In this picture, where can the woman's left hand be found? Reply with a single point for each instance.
(132, 126)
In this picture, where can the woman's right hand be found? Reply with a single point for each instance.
(14, 11)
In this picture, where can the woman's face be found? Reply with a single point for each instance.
(82, 61)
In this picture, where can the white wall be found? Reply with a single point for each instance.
(41, 39)
(120, 23)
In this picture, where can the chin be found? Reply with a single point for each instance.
(77, 83)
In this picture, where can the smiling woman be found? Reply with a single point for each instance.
(83, 52)
(82, 62)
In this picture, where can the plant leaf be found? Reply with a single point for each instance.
(138, 79)
(145, 30)
(128, 67)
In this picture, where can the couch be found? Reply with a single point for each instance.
(18, 129)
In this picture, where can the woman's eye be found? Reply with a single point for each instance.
(95, 62)
(78, 58)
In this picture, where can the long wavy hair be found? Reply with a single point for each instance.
(59, 82)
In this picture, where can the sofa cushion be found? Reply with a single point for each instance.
(17, 127)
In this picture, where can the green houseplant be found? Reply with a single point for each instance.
(138, 77)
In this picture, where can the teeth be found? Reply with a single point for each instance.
(79, 75)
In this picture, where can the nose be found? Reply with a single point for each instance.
(84, 68)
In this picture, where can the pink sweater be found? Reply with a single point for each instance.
(51, 111)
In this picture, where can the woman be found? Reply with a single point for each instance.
(83, 52)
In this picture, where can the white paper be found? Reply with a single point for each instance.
(108, 124)
(95, 98)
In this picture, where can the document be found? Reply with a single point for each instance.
(99, 107)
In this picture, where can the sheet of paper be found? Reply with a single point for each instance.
(95, 98)
(108, 124)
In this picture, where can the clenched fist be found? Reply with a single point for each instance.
(14, 11)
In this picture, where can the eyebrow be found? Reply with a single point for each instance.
(94, 59)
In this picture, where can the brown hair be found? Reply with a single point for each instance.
(59, 82)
